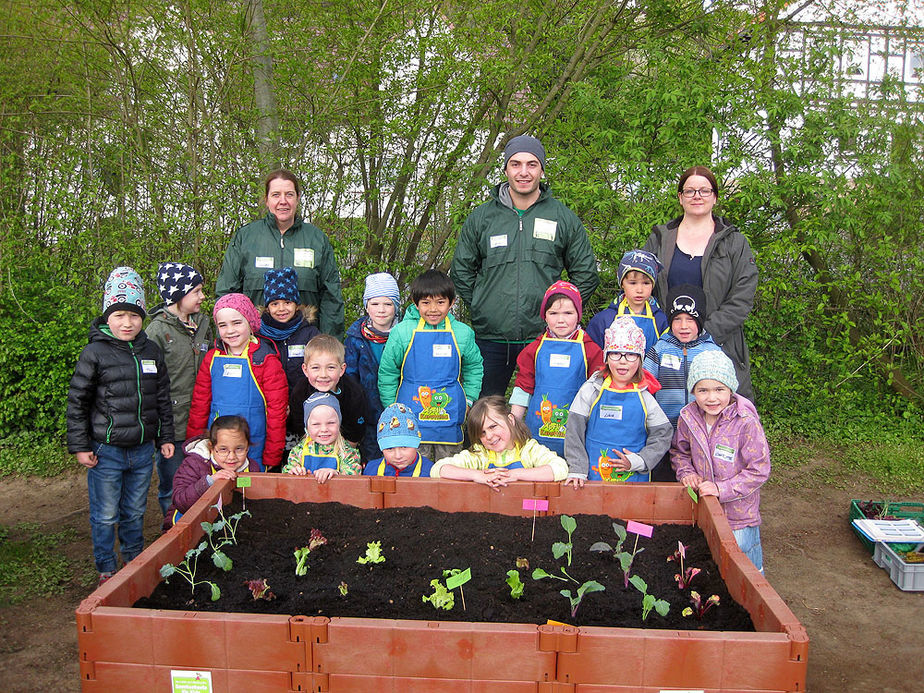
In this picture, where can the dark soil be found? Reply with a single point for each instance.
(419, 543)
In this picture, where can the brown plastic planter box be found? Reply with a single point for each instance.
(126, 648)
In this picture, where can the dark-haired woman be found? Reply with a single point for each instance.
(283, 239)
(706, 250)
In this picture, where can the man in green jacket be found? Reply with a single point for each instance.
(510, 250)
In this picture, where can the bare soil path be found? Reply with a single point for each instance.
(866, 634)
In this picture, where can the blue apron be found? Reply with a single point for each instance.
(413, 470)
(645, 321)
(235, 391)
(502, 461)
(561, 369)
(313, 461)
(430, 384)
(616, 421)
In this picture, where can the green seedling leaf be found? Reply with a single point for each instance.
(167, 569)
(662, 607)
(222, 561)
(601, 546)
(441, 597)
(516, 587)
(216, 593)
(373, 553)
(569, 524)
(207, 527)
(559, 549)
(539, 573)
(639, 584)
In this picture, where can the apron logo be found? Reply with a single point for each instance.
(554, 418)
(433, 403)
(607, 470)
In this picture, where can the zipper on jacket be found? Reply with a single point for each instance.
(131, 348)
(686, 390)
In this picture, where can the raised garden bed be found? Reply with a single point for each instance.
(124, 646)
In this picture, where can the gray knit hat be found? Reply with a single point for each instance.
(712, 365)
(320, 399)
(382, 284)
(123, 291)
(525, 143)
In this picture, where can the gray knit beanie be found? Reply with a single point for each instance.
(712, 365)
(525, 143)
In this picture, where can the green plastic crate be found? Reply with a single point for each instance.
(900, 509)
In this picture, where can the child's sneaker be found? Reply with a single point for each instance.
(102, 578)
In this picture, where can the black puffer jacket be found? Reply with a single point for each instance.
(120, 393)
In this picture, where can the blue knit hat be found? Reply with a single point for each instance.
(398, 428)
(712, 365)
(280, 285)
(524, 143)
(175, 280)
(640, 261)
(123, 291)
(382, 284)
(320, 399)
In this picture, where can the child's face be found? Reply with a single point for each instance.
(191, 302)
(229, 449)
(496, 431)
(434, 309)
(233, 329)
(323, 425)
(323, 371)
(711, 396)
(684, 328)
(400, 457)
(381, 311)
(637, 287)
(282, 311)
(623, 366)
(124, 324)
(561, 317)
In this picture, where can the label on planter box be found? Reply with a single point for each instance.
(190, 681)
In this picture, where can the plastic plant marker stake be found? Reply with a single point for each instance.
(458, 579)
(534, 504)
(639, 528)
(692, 494)
(532, 534)
(550, 622)
(242, 483)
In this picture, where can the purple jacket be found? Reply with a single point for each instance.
(191, 479)
(735, 456)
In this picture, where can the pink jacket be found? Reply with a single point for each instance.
(734, 455)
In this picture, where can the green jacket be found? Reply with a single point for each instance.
(504, 262)
(259, 246)
(399, 339)
(183, 353)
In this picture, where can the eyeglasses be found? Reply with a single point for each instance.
(690, 193)
(628, 357)
(224, 453)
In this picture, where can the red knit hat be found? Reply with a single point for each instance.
(242, 305)
(562, 287)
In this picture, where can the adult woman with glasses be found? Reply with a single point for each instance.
(706, 250)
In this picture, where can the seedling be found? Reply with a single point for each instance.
(260, 589)
(523, 563)
(219, 557)
(586, 588)
(441, 597)
(315, 540)
(456, 577)
(559, 549)
(343, 588)
(516, 587)
(649, 601)
(229, 524)
(685, 576)
(624, 557)
(699, 607)
(373, 553)
(187, 570)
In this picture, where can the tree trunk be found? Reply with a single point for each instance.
(264, 95)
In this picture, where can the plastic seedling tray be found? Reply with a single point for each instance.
(900, 509)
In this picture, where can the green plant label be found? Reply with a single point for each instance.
(458, 579)
(243, 481)
(692, 494)
(190, 681)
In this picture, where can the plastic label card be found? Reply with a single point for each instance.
(190, 681)
(692, 494)
(639, 528)
(535, 504)
(243, 481)
(458, 579)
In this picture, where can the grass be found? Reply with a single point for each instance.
(31, 562)
(27, 454)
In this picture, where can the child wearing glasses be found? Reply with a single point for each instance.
(616, 430)
(223, 455)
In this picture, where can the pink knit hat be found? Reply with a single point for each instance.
(625, 336)
(242, 305)
(565, 288)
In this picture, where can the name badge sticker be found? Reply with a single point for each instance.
(560, 360)
(232, 370)
(611, 412)
(263, 262)
(544, 229)
(442, 351)
(499, 241)
(304, 257)
(725, 453)
(296, 351)
(671, 361)
(148, 366)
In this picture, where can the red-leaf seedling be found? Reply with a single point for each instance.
(260, 589)
(699, 607)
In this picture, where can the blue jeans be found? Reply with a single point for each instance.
(166, 468)
(748, 540)
(118, 487)
(500, 360)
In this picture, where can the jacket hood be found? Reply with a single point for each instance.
(722, 225)
(501, 193)
(97, 334)
(704, 337)
(412, 314)
(270, 221)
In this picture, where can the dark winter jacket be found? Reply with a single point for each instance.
(354, 407)
(504, 263)
(183, 353)
(119, 394)
(729, 282)
(259, 246)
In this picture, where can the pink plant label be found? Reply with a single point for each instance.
(458, 579)
(535, 504)
(639, 528)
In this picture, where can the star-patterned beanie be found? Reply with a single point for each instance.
(123, 291)
(175, 280)
(280, 285)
